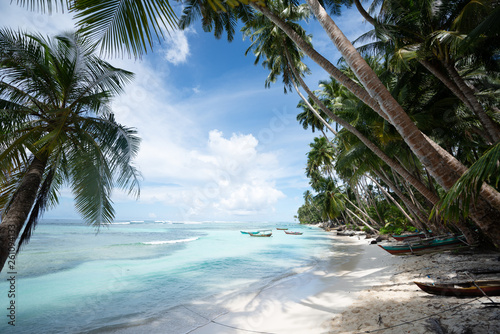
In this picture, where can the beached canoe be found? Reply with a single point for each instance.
(425, 245)
(462, 289)
(402, 237)
(293, 233)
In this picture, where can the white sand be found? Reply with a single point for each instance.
(305, 302)
(367, 291)
(399, 306)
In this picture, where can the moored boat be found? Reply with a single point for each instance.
(293, 233)
(255, 231)
(281, 228)
(425, 245)
(462, 289)
(402, 237)
(262, 233)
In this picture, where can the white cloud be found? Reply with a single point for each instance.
(177, 48)
(225, 177)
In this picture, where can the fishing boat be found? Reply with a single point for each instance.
(263, 233)
(403, 237)
(462, 289)
(428, 245)
(248, 232)
(281, 228)
(293, 233)
(254, 232)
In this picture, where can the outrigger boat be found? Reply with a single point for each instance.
(248, 232)
(428, 245)
(403, 237)
(293, 233)
(254, 232)
(263, 233)
(462, 289)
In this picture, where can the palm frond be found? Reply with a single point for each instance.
(465, 191)
(124, 25)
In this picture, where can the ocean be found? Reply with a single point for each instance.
(70, 279)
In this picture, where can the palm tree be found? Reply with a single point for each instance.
(58, 129)
(443, 166)
(433, 34)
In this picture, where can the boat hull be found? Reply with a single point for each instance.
(267, 235)
(462, 289)
(294, 233)
(424, 246)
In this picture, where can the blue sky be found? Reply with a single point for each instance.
(216, 144)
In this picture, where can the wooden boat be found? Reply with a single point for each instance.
(281, 228)
(293, 233)
(402, 237)
(254, 232)
(462, 289)
(248, 232)
(263, 233)
(425, 245)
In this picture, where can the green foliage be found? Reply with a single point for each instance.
(308, 214)
(55, 97)
(396, 228)
(465, 191)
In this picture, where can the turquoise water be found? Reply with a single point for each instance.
(71, 280)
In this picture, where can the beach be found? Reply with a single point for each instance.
(371, 292)
(398, 306)
(207, 278)
(304, 302)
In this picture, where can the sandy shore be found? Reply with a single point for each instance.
(399, 306)
(366, 291)
(306, 302)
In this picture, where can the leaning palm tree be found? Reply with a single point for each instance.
(58, 129)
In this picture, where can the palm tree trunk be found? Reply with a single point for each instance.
(421, 219)
(421, 188)
(364, 13)
(492, 129)
(363, 212)
(22, 202)
(361, 220)
(439, 166)
(343, 79)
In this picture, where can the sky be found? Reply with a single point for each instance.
(216, 144)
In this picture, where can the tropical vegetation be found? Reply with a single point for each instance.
(57, 129)
(412, 111)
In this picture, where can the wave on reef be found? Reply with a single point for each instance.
(161, 242)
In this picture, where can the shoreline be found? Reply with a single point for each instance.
(399, 306)
(306, 302)
(303, 301)
(354, 288)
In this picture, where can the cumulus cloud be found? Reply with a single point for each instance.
(177, 48)
(228, 176)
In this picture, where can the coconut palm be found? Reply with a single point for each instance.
(433, 34)
(443, 166)
(58, 130)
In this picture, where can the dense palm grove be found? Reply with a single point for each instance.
(408, 121)
(440, 62)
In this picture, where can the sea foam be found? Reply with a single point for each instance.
(161, 242)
